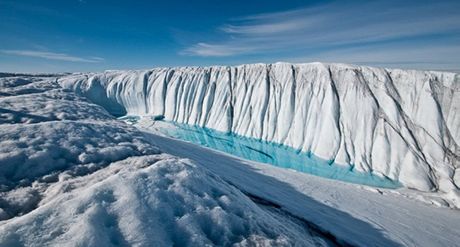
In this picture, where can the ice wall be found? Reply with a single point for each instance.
(401, 124)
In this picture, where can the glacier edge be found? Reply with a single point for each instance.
(402, 124)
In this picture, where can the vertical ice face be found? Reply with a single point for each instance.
(401, 124)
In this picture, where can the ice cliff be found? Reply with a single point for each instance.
(402, 124)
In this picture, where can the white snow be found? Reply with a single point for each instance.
(48, 134)
(154, 200)
(73, 175)
(400, 124)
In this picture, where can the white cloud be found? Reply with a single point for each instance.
(204, 49)
(337, 24)
(52, 56)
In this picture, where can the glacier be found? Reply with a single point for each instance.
(399, 124)
(72, 174)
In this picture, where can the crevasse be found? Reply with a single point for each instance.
(403, 124)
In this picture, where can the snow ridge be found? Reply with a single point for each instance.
(403, 124)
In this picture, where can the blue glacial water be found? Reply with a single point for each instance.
(271, 153)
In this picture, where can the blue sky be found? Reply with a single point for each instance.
(90, 35)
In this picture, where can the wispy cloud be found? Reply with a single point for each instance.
(331, 26)
(52, 56)
(431, 57)
(204, 49)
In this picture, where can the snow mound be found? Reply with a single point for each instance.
(17, 85)
(48, 134)
(52, 105)
(156, 200)
(30, 151)
(401, 124)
